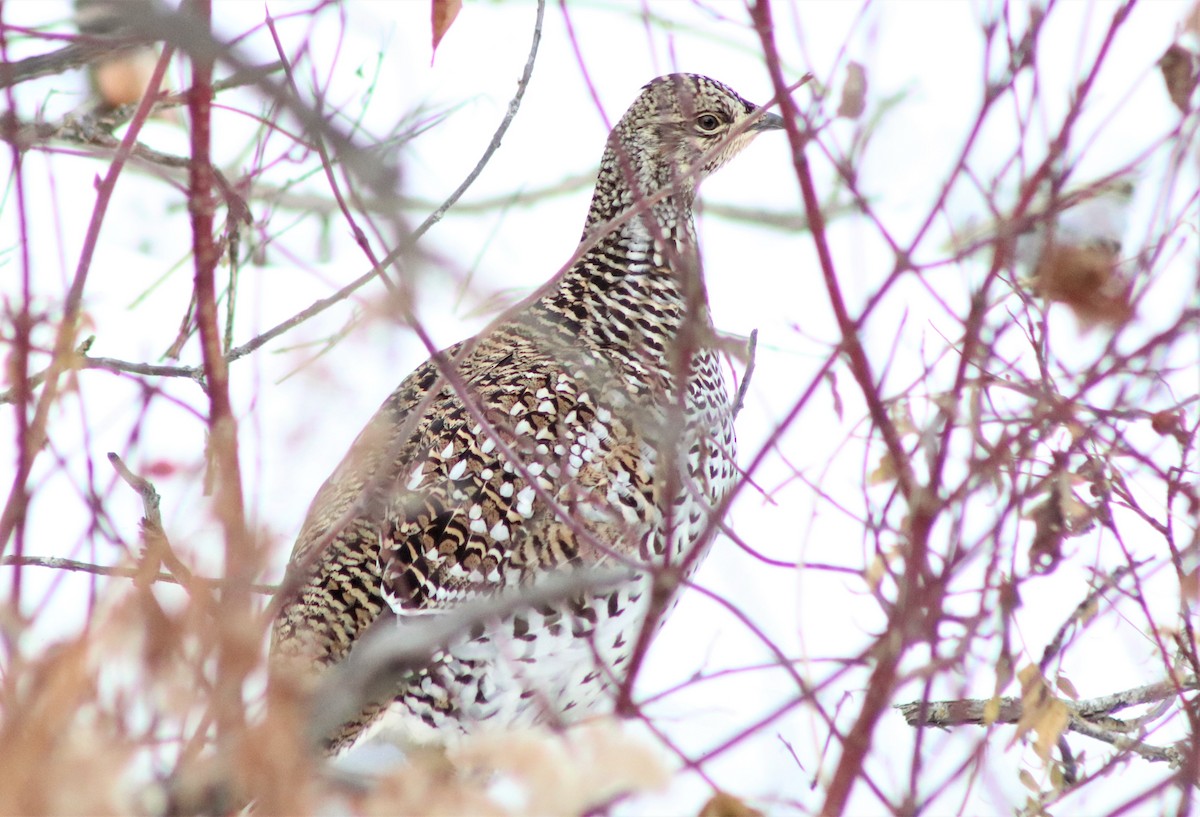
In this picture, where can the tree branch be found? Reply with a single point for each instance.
(1091, 716)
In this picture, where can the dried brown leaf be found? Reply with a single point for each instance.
(1041, 712)
(1178, 66)
(874, 572)
(991, 710)
(723, 804)
(1085, 278)
(901, 415)
(1062, 515)
(1051, 722)
(1045, 551)
(1189, 585)
(1077, 430)
(1004, 671)
(1057, 779)
(1170, 423)
(854, 92)
(884, 472)
(442, 14)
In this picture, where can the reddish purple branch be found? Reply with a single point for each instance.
(233, 612)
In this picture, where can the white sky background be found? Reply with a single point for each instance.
(295, 429)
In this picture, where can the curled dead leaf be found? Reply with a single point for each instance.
(1045, 551)
(1004, 671)
(901, 415)
(1062, 515)
(854, 92)
(1059, 779)
(1179, 70)
(1170, 423)
(1086, 279)
(883, 473)
(1041, 712)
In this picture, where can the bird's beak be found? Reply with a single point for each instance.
(769, 121)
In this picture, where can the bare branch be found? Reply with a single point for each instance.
(1090, 716)
(136, 573)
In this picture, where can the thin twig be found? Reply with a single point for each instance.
(64, 337)
(1082, 611)
(110, 364)
(751, 347)
(1155, 754)
(321, 305)
(158, 549)
(58, 563)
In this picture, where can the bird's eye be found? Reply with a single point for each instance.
(708, 122)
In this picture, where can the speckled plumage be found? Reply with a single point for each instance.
(582, 384)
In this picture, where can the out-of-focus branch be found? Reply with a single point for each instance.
(81, 52)
(281, 198)
(393, 647)
(77, 566)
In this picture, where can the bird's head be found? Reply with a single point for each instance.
(680, 129)
(684, 119)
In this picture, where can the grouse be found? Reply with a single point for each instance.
(587, 426)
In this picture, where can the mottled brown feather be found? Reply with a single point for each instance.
(581, 383)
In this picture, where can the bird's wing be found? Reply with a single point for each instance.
(465, 519)
(367, 469)
(332, 591)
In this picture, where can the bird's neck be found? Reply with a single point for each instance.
(640, 205)
(635, 293)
